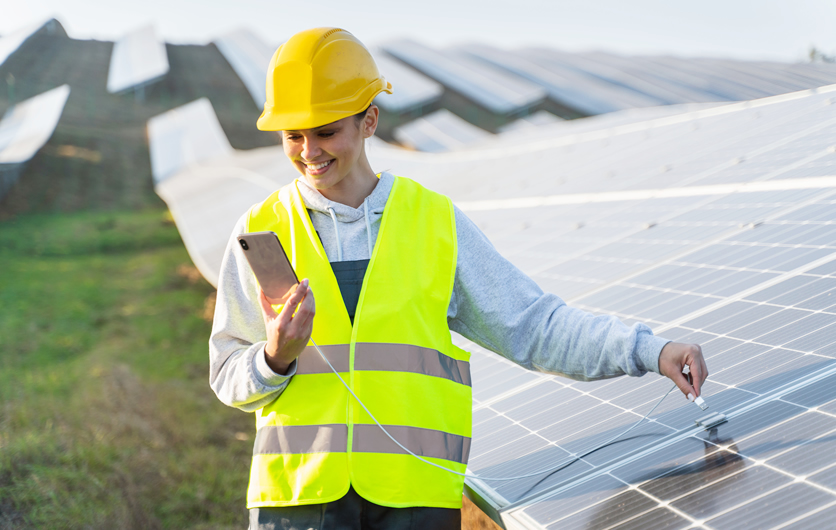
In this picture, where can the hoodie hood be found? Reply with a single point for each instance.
(375, 202)
(346, 233)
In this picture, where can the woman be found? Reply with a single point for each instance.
(395, 267)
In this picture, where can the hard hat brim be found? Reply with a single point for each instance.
(316, 116)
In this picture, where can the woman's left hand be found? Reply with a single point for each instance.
(674, 357)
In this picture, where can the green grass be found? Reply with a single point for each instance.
(106, 416)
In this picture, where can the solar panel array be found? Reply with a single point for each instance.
(138, 58)
(598, 82)
(495, 89)
(584, 84)
(713, 226)
(508, 84)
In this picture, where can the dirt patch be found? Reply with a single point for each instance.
(475, 519)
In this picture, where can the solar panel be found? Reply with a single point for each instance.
(184, 136)
(496, 90)
(597, 83)
(574, 89)
(138, 58)
(25, 128)
(759, 348)
(714, 78)
(411, 89)
(11, 42)
(631, 74)
(249, 56)
(440, 131)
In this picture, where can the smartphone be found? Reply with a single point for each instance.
(270, 265)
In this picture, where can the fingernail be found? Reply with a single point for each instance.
(305, 282)
(690, 397)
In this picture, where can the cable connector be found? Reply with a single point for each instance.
(712, 420)
(700, 402)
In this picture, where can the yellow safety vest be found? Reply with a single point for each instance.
(315, 440)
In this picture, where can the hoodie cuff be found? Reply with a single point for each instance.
(648, 349)
(266, 376)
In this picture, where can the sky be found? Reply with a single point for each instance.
(742, 29)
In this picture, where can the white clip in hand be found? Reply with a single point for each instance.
(700, 402)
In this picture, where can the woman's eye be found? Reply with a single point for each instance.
(291, 138)
(326, 134)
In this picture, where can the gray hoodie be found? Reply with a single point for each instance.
(493, 304)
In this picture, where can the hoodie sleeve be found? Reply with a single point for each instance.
(497, 306)
(238, 370)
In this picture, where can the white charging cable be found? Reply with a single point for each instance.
(700, 402)
(480, 477)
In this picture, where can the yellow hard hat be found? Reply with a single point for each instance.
(319, 76)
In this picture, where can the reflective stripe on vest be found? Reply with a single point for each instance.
(385, 357)
(299, 439)
(314, 441)
(302, 439)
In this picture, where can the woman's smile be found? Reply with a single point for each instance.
(318, 168)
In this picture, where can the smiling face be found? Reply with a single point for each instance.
(332, 156)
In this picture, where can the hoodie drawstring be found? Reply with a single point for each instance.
(337, 232)
(368, 226)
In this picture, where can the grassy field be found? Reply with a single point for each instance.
(106, 416)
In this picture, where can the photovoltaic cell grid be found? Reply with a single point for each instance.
(748, 275)
(784, 137)
(773, 466)
(536, 417)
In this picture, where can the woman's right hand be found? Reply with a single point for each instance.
(288, 334)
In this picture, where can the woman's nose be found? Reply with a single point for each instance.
(310, 149)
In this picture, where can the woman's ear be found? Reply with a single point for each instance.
(370, 121)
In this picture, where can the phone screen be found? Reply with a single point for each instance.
(270, 265)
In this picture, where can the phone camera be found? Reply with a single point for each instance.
(244, 244)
